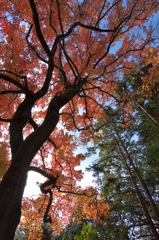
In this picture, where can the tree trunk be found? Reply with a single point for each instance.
(13, 182)
(143, 184)
(11, 191)
(138, 192)
(150, 116)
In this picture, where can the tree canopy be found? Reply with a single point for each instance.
(59, 68)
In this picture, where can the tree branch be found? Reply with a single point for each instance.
(35, 126)
(75, 193)
(11, 91)
(45, 174)
(15, 82)
(70, 30)
(32, 47)
(38, 28)
(4, 120)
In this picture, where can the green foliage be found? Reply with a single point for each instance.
(71, 230)
(21, 234)
(118, 147)
(88, 233)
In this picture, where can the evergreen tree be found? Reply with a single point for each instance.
(126, 179)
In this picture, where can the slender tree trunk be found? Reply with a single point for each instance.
(143, 184)
(140, 197)
(145, 111)
(153, 205)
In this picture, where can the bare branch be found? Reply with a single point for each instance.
(75, 193)
(31, 46)
(4, 120)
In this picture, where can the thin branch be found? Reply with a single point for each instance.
(123, 54)
(48, 78)
(70, 30)
(94, 28)
(97, 87)
(42, 157)
(59, 16)
(4, 120)
(100, 18)
(71, 63)
(11, 92)
(154, 120)
(50, 18)
(117, 29)
(74, 123)
(31, 46)
(75, 193)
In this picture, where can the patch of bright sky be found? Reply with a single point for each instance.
(32, 189)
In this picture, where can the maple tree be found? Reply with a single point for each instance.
(59, 64)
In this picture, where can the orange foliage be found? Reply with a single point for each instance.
(64, 208)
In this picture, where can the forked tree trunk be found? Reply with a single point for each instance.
(13, 182)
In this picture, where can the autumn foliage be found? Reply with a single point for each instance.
(60, 61)
(69, 207)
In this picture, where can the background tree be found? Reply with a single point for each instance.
(85, 229)
(128, 146)
(58, 65)
(71, 230)
(122, 172)
(88, 232)
(21, 234)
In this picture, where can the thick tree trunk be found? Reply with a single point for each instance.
(11, 190)
(13, 183)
